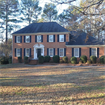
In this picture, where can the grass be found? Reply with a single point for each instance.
(52, 85)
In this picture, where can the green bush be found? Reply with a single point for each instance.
(41, 59)
(80, 62)
(20, 59)
(61, 61)
(93, 59)
(56, 58)
(83, 58)
(47, 58)
(4, 60)
(26, 60)
(89, 62)
(73, 60)
(65, 59)
(102, 59)
(10, 60)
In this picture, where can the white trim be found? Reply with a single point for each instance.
(63, 52)
(52, 38)
(85, 45)
(59, 38)
(78, 52)
(96, 51)
(52, 52)
(38, 46)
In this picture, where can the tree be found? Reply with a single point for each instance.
(50, 12)
(30, 10)
(8, 9)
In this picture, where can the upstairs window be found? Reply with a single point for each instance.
(61, 38)
(27, 39)
(18, 39)
(50, 38)
(38, 38)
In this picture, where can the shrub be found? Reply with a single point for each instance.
(61, 61)
(93, 59)
(56, 59)
(20, 59)
(73, 60)
(83, 58)
(65, 59)
(102, 59)
(47, 58)
(80, 62)
(4, 60)
(41, 59)
(10, 59)
(88, 61)
(26, 60)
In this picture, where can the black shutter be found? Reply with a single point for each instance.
(41, 38)
(90, 51)
(97, 52)
(21, 52)
(47, 38)
(58, 51)
(79, 52)
(15, 52)
(54, 51)
(57, 38)
(47, 51)
(30, 52)
(15, 39)
(72, 52)
(64, 51)
(64, 37)
(20, 39)
(35, 38)
(24, 52)
(53, 38)
(24, 39)
(30, 38)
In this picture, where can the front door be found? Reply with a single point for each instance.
(38, 53)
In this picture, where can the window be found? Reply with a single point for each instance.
(51, 52)
(27, 52)
(76, 52)
(61, 38)
(50, 38)
(39, 38)
(27, 39)
(18, 52)
(18, 39)
(94, 52)
(61, 52)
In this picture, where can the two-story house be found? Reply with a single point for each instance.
(49, 38)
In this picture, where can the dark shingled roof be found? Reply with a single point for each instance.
(79, 38)
(42, 27)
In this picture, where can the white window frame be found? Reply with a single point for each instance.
(60, 38)
(26, 52)
(26, 39)
(75, 53)
(17, 55)
(63, 52)
(52, 38)
(17, 39)
(37, 38)
(52, 52)
(96, 52)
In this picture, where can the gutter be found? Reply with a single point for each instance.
(86, 46)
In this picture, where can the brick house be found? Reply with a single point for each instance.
(49, 38)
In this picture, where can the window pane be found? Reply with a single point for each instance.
(27, 52)
(18, 39)
(76, 52)
(61, 38)
(61, 52)
(18, 52)
(50, 52)
(39, 38)
(93, 51)
(27, 38)
(50, 38)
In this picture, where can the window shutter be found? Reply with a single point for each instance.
(57, 38)
(20, 39)
(30, 52)
(72, 52)
(41, 38)
(53, 38)
(54, 51)
(24, 39)
(97, 52)
(15, 52)
(30, 38)
(90, 51)
(64, 51)
(79, 52)
(35, 38)
(64, 37)
(21, 52)
(24, 52)
(47, 38)
(15, 39)
(47, 51)
(58, 51)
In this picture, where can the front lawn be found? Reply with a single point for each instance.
(52, 85)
